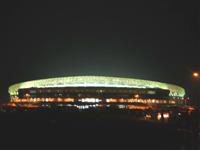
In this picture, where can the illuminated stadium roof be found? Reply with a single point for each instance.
(96, 81)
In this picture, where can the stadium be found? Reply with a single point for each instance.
(96, 90)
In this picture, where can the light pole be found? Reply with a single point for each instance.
(196, 76)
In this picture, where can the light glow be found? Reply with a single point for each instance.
(90, 100)
(196, 74)
(165, 115)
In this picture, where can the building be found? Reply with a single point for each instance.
(96, 90)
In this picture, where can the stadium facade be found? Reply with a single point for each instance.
(96, 90)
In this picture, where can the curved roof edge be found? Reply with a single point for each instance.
(97, 81)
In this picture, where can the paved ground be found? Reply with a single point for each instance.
(90, 130)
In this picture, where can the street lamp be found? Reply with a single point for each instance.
(195, 74)
(196, 95)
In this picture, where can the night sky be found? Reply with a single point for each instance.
(155, 40)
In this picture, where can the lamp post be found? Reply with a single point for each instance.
(196, 76)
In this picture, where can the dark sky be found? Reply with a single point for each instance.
(155, 40)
